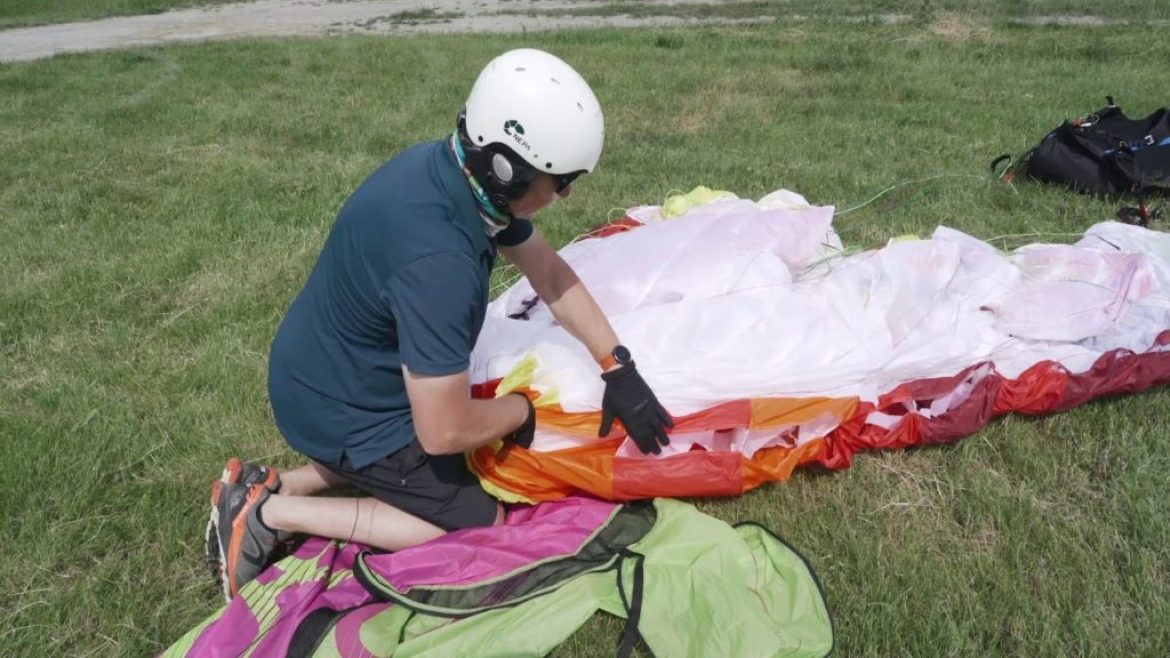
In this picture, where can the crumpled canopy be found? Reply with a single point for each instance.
(773, 346)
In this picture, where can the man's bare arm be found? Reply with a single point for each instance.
(566, 296)
(448, 421)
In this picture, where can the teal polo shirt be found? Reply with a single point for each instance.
(402, 280)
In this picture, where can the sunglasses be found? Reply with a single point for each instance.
(565, 180)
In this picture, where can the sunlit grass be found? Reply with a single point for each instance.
(160, 208)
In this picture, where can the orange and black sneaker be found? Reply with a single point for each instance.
(236, 471)
(239, 544)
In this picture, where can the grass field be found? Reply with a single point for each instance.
(160, 208)
(1000, 10)
(16, 13)
(19, 13)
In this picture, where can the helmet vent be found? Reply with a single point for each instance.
(521, 69)
(548, 165)
(555, 81)
(580, 107)
(481, 138)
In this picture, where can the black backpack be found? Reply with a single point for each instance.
(1103, 153)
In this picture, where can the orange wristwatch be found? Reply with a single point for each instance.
(620, 356)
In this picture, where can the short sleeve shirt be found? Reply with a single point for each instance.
(402, 280)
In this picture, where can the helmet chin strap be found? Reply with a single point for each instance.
(495, 219)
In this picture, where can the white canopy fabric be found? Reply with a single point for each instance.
(738, 300)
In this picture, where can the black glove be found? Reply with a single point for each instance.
(522, 436)
(630, 400)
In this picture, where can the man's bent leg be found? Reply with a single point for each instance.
(438, 489)
(365, 520)
(417, 498)
(309, 479)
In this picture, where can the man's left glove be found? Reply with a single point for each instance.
(524, 434)
(629, 399)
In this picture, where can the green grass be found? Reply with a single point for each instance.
(160, 208)
(919, 10)
(21, 13)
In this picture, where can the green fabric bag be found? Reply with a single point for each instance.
(691, 585)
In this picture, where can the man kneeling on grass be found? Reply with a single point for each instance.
(368, 372)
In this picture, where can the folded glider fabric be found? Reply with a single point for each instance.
(775, 347)
(688, 584)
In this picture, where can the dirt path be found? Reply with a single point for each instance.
(315, 18)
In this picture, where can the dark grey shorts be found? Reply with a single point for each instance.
(439, 489)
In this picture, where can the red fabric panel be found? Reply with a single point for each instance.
(486, 390)
(737, 413)
(1044, 388)
(619, 226)
(696, 473)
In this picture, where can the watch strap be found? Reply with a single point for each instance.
(620, 356)
(608, 362)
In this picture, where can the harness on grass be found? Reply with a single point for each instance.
(687, 584)
(1105, 152)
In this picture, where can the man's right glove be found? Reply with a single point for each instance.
(524, 434)
(629, 399)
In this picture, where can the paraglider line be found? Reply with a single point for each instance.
(897, 186)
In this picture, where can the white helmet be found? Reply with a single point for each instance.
(540, 108)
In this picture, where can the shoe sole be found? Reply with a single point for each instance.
(229, 555)
(239, 531)
(211, 548)
(216, 555)
(215, 550)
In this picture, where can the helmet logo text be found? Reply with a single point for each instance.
(515, 130)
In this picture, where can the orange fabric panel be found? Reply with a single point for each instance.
(551, 475)
(758, 413)
(737, 413)
(584, 425)
(777, 463)
(593, 469)
(778, 412)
